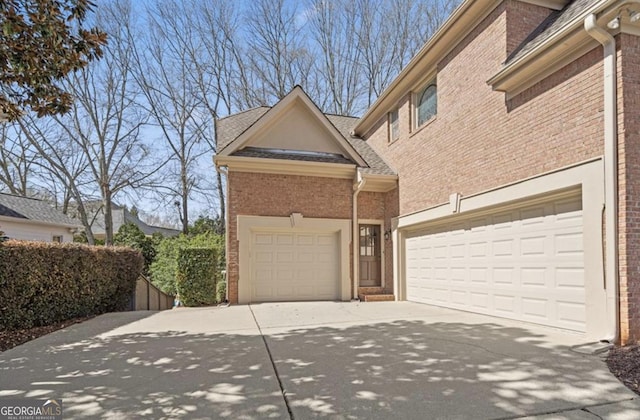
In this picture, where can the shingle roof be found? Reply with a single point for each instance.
(121, 216)
(554, 22)
(258, 152)
(33, 209)
(149, 230)
(376, 164)
(229, 128)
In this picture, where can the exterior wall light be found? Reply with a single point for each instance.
(614, 23)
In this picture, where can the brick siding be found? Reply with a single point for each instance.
(481, 140)
(629, 186)
(255, 194)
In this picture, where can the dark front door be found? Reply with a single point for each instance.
(370, 256)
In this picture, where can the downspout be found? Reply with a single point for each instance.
(358, 185)
(610, 174)
(225, 171)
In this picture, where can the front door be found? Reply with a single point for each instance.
(370, 256)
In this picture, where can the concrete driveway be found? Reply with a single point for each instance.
(302, 360)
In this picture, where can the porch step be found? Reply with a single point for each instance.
(374, 294)
(370, 290)
(377, 298)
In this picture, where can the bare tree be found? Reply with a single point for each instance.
(172, 98)
(62, 164)
(332, 28)
(277, 52)
(105, 121)
(16, 160)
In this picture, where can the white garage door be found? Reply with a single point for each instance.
(288, 266)
(525, 264)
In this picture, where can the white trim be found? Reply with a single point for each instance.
(286, 167)
(549, 4)
(433, 81)
(586, 177)
(246, 225)
(378, 222)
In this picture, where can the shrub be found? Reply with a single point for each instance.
(165, 267)
(132, 236)
(196, 277)
(221, 291)
(43, 283)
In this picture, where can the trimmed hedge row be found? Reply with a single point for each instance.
(43, 283)
(197, 276)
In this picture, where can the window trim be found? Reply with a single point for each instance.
(60, 237)
(390, 137)
(414, 97)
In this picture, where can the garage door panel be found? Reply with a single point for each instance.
(284, 239)
(525, 263)
(289, 266)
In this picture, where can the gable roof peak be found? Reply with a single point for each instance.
(295, 96)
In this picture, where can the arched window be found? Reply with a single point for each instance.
(426, 104)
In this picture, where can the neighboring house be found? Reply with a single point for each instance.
(121, 216)
(34, 220)
(514, 142)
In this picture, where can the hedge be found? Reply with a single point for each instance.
(44, 283)
(197, 276)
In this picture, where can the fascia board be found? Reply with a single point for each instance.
(38, 222)
(571, 37)
(286, 167)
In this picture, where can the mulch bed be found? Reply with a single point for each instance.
(624, 362)
(13, 338)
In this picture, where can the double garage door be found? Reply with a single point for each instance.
(524, 263)
(293, 265)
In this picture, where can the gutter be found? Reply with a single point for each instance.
(225, 171)
(610, 174)
(358, 185)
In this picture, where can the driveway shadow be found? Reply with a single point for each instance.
(418, 370)
(408, 369)
(156, 375)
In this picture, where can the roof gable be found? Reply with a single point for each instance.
(296, 124)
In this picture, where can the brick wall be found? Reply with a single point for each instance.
(629, 185)
(479, 139)
(253, 194)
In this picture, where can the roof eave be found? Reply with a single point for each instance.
(286, 167)
(564, 46)
(40, 222)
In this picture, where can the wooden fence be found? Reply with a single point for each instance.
(148, 297)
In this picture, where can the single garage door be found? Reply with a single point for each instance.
(525, 263)
(289, 266)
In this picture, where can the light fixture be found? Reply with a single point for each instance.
(614, 23)
(387, 234)
(634, 16)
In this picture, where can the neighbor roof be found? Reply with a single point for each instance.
(33, 209)
(231, 127)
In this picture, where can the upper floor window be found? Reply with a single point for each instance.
(394, 125)
(426, 104)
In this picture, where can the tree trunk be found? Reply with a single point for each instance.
(108, 216)
(185, 198)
